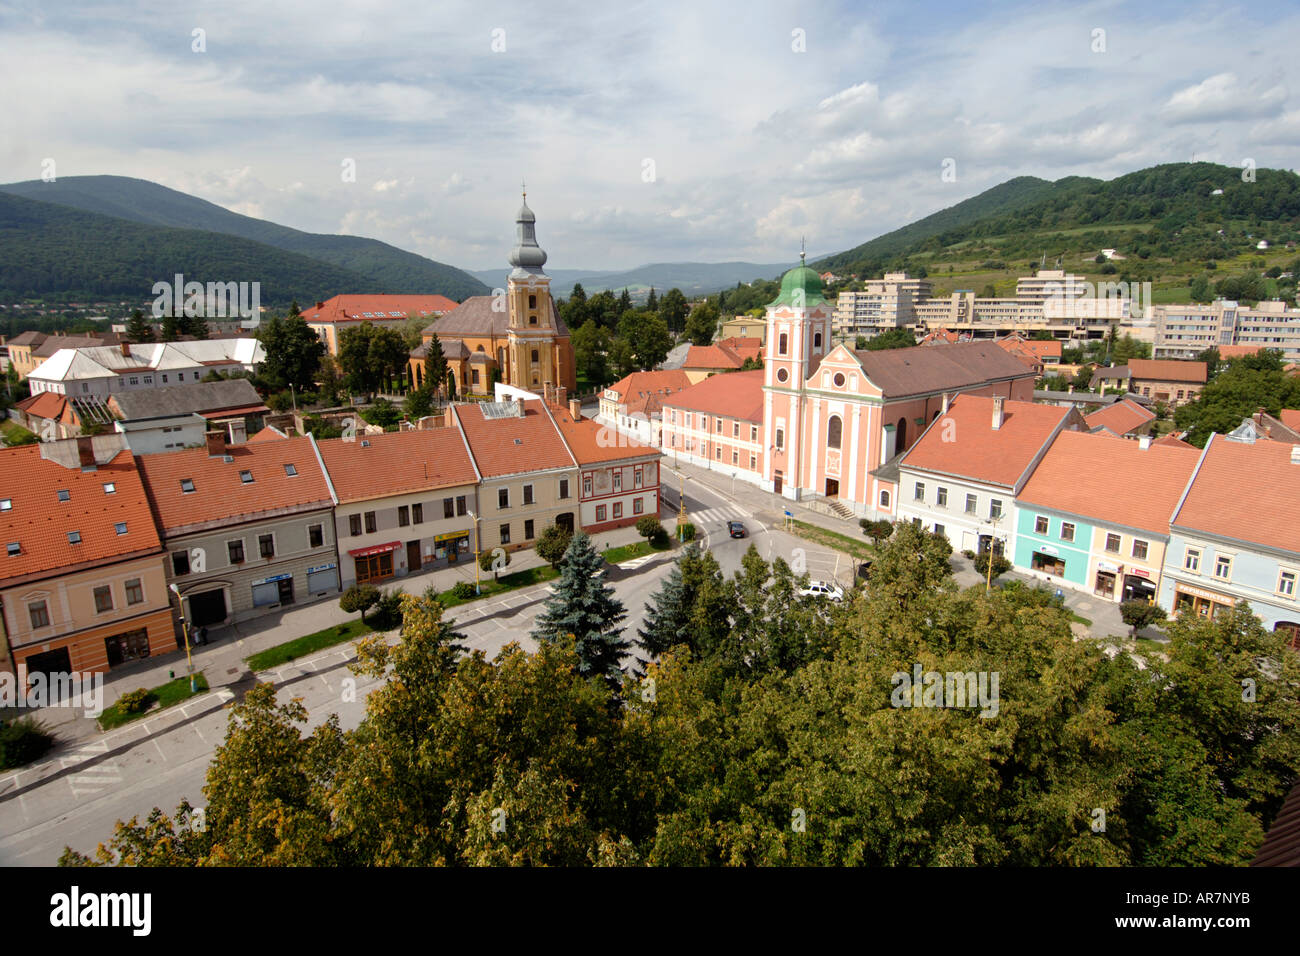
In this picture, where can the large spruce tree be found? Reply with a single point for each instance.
(584, 605)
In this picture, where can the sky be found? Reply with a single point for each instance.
(646, 132)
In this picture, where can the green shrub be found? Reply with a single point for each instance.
(135, 701)
(388, 610)
(686, 531)
(648, 527)
(1000, 564)
(463, 590)
(22, 741)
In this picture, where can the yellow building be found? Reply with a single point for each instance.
(515, 334)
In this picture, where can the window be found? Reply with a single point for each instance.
(1112, 543)
(783, 343)
(64, 494)
(735, 429)
(187, 486)
(600, 512)
(1192, 559)
(534, 356)
(103, 599)
(291, 470)
(717, 425)
(884, 499)
(528, 530)
(1222, 567)
(753, 462)
(780, 438)
(1139, 549)
(586, 485)
(110, 488)
(971, 504)
(717, 453)
(246, 477)
(1040, 525)
(735, 457)
(448, 507)
(532, 304)
(918, 493)
(505, 534)
(938, 529)
(6, 504)
(1067, 531)
(753, 433)
(235, 550)
(817, 340)
(266, 545)
(403, 516)
(180, 562)
(371, 525)
(460, 505)
(636, 477)
(528, 496)
(74, 537)
(1286, 583)
(503, 497)
(134, 591)
(834, 431)
(354, 525)
(417, 513)
(941, 497)
(618, 479)
(315, 536)
(995, 509)
(564, 487)
(618, 509)
(638, 506)
(39, 614)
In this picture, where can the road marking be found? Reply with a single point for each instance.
(161, 753)
(637, 562)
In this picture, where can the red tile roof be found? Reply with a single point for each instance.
(712, 357)
(268, 433)
(353, 308)
(1037, 348)
(397, 462)
(1173, 439)
(1121, 418)
(592, 443)
(1112, 480)
(510, 446)
(220, 495)
(44, 405)
(963, 443)
(1167, 370)
(1268, 515)
(633, 390)
(730, 394)
(40, 523)
(1238, 351)
(1290, 417)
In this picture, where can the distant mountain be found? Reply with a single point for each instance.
(693, 278)
(382, 268)
(46, 248)
(1166, 219)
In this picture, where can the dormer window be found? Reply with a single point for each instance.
(187, 486)
(120, 527)
(290, 470)
(64, 494)
(246, 477)
(14, 549)
(6, 504)
(110, 488)
(74, 537)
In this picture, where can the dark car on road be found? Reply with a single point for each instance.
(736, 529)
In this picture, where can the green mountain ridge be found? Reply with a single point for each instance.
(382, 267)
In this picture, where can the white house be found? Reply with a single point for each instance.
(105, 369)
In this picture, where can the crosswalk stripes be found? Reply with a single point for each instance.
(95, 779)
(637, 562)
(721, 513)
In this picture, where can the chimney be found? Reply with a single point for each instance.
(85, 451)
(1144, 442)
(944, 410)
(997, 412)
(238, 432)
(320, 305)
(575, 409)
(216, 443)
(1070, 390)
(561, 395)
(126, 349)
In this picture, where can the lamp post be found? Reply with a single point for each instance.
(185, 632)
(476, 552)
(993, 539)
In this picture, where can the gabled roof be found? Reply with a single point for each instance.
(514, 444)
(712, 357)
(1111, 480)
(1268, 515)
(1290, 418)
(1107, 373)
(731, 394)
(476, 317)
(44, 405)
(268, 433)
(220, 495)
(199, 397)
(1121, 418)
(1168, 370)
(592, 443)
(40, 523)
(377, 307)
(1173, 439)
(644, 393)
(920, 370)
(964, 444)
(107, 360)
(394, 463)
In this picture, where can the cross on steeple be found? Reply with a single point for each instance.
(523, 188)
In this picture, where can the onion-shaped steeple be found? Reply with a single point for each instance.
(527, 256)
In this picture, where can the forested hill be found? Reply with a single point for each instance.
(383, 267)
(1174, 211)
(49, 249)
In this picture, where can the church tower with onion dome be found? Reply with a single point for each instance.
(533, 360)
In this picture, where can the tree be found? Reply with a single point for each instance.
(293, 354)
(877, 531)
(371, 357)
(650, 528)
(893, 339)
(1138, 614)
(702, 323)
(496, 561)
(673, 309)
(382, 413)
(435, 364)
(138, 329)
(552, 543)
(419, 403)
(584, 605)
(359, 598)
(590, 343)
(1000, 564)
(171, 329)
(647, 338)
(652, 303)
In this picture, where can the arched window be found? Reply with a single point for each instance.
(884, 499)
(532, 302)
(534, 355)
(782, 344)
(834, 428)
(900, 440)
(817, 340)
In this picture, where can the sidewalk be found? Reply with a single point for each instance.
(221, 659)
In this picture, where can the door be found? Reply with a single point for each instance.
(412, 556)
(286, 590)
(132, 646)
(565, 521)
(832, 488)
(50, 664)
(776, 483)
(207, 608)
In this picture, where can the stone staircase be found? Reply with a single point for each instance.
(827, 506)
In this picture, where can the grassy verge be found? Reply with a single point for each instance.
(14, 434)
(831, 539)
(301, 646)
(1080, 618)
(165, 695)
(1148, 646)
(635, 550)
(507, 582)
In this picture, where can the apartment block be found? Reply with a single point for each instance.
(1184, 331)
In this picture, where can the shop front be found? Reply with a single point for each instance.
(1048, 561)
(374, 563)
(1138, 586)
(1200, 601)
(1104, 584)
(450, 548)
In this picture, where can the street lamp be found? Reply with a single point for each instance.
(476, 568)
(185, 632)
